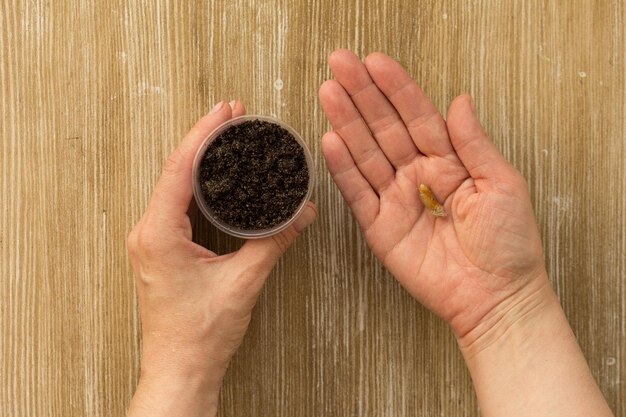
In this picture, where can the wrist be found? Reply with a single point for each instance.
(519, 314)
(177, 381)
(167, 395)
(182, 359)
(524, 360)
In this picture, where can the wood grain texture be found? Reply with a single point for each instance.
(95, 94)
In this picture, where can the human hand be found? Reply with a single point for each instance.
(195, 305)
(470, 267)
(481, 267)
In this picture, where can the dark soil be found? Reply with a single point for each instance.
(254, 175)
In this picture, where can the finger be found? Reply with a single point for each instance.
(476, 151)
(347, 122)
(420, 116)
(173, 191)
(262, 254)
(379, 114)
(237, 107)
(354, 188)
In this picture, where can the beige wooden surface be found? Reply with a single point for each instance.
(94, 95)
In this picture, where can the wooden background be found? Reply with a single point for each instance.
(94, 96)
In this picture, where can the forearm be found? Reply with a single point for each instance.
(529, 363)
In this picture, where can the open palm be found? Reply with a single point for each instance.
(388, 138)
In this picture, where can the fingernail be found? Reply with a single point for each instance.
(217, 107)
(471, 103)
(232, 104)
(305, 219)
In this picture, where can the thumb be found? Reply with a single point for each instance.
(476, 151)
(174, 192)
(264, 253)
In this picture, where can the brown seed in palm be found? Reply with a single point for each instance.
(430, 202)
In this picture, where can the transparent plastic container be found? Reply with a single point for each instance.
(220, 224)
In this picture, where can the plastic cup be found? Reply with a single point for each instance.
(216, 221)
